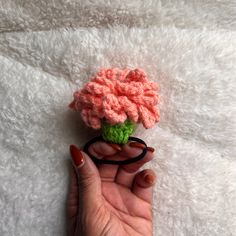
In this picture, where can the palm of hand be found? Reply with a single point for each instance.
(128, 214)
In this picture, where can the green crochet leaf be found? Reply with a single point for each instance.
(118, 133)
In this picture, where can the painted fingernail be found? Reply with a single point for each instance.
(137, 145)
(115, 146)
(77, 156)
(149, 179)
(150, 149)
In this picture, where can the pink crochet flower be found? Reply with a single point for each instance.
(117, 95)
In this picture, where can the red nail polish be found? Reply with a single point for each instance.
(137, 145)
(76, 155)
(149, 179)
(150, 149)
(115, 146)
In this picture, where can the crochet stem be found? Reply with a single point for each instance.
(118, 133)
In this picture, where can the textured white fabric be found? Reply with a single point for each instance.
(50, 48)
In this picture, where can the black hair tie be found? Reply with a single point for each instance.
(112, 162)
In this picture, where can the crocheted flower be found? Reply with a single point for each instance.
(115, 96)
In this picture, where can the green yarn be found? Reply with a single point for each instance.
(118, 133)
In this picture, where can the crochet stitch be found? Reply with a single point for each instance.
(116, 95)
(118, 133)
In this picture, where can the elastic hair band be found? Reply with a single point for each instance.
(112, 162)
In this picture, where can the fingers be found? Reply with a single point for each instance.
(73, 196)
(126, 173)
(72, 203)
(88, 176)
(102, 149)
(125, 178)
(123, 175)
(134, 149)
(108, 172)
(106, 150)
(143, 185)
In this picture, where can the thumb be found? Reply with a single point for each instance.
(88, 176)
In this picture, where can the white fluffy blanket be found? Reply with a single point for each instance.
(50, 48)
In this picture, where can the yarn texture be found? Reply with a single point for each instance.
(115, 95)
(118, 133)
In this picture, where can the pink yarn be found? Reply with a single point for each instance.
(116, 95)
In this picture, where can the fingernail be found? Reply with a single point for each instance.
(115, 146)
(151, 149)
(149, 179)
(77, 156)
(137, 145)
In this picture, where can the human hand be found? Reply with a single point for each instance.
(110, 200)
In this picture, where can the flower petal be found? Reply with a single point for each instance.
(130, 108)
(113, 111)
(147, 118)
